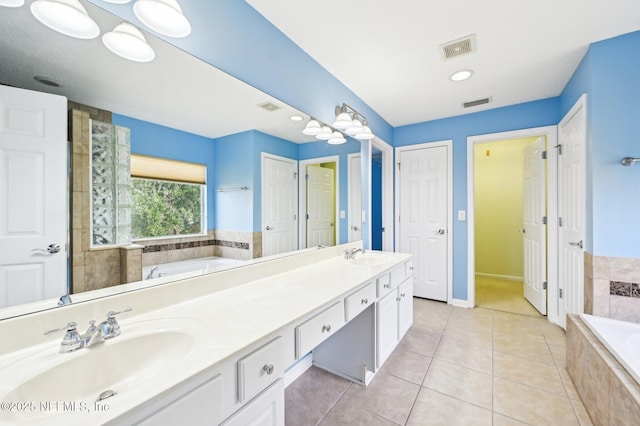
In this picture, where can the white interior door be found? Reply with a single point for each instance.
(33, 196)
(535, 232)
(355, 198)
(571, 211)
(320, 206)
(423, 217)
(279, 204)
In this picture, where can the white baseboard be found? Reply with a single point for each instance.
(501, 277)
(460, 303)
(298, 369)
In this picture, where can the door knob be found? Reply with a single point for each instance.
(440, 231)
(522, 231)
(51, 248)
(355, 228)
(578, 244)
(268, 228)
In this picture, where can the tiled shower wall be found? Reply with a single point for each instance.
(612, 287)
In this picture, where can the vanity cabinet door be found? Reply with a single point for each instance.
(201, 406)
(265, 410)
(405, 307)
(387, 326)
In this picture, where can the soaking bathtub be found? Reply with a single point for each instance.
(188, 268)
(621, 338)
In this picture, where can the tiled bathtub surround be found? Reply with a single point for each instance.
(611, 287)
(610, 394)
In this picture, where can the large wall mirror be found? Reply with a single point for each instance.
(177, 107)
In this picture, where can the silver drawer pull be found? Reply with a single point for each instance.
(268, 368)
(411, 268)
(387, 286)
(326, 328)
(398, 299)
(402, 295)
(364, 301)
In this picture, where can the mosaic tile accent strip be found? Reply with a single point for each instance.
(619, 288)
(192, 244)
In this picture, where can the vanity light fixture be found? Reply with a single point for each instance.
(312, 128)
(67, 17)
(461, 75)
(163, 16)
(365, 134)
(336, 138)
(11, 3)
(343, 119)
(325, 134)
(355, 126)
(128, 42)
(352, 122)
(118, 1)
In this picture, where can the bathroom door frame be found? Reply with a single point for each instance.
(551, 133)
(302, 198)
(388, 223)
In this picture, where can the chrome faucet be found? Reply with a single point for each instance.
(94, 335)
(351, 253)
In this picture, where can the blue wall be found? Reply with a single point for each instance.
(165, 142)
(376, 203)
(608, 74)
(544, 112)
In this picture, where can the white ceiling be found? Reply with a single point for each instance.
(174, 90)
(387, 52)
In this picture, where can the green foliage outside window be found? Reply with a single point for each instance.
(162, 208)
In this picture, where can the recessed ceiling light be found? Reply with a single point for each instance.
(46, 80)
(296, 118)
(11, 3)
(461, 75)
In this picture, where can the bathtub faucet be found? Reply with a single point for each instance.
(150, 274)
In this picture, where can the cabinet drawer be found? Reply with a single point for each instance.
(259, 369)
(383, 285)
(315, 330)
(409, 268)
(359, 301)
(397, 276)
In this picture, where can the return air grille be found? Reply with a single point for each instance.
(269, 106)
(476, 102)
(460, 47)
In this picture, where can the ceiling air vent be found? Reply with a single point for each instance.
(460, 47)
(476, 102)
(269, 106)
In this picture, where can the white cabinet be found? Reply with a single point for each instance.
(259, 369)
(359, 301)
(201, 406)
(317, 329)
(265, 410)
(394, 318)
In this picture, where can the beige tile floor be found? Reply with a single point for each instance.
(455, 366)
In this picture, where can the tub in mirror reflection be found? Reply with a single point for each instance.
(178, 108)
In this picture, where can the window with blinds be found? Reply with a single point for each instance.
(168, 197)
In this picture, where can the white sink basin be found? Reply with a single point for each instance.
(140, 353)
(370, 259)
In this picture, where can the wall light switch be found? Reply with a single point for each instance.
(342, 214)
(462, 215)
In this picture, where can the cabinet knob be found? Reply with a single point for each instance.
(364, 301)
(326, 328)
(268, 368)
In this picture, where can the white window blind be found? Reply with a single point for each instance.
(160, 168)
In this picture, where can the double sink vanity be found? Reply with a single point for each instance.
(214, 349)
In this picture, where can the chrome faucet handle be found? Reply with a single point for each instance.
(71, 340)
(110, 327)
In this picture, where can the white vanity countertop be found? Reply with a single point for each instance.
(224, 323)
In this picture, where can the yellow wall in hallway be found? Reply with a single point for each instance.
(499, 207)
